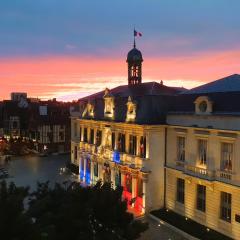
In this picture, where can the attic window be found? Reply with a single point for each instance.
(203, 105)
(108, 104)
(88, 111)
(131, 110)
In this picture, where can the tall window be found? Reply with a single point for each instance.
(95, 169)
(113, 140)
(121, 142)
(226, 156)
(201, 197)
(140, 187)
(181, 149)
(226, 206)
(202, 151)
(180, 190)
(91, 136)
(80, 133)
(143, 146)
(128, 182)
(85, 137)
(117, 178)
(99, 138)
(132, 144)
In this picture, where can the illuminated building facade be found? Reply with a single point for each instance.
(166, 147)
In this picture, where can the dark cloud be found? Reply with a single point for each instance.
(104, 28)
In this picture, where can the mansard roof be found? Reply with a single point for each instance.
(153, 101)
(223, 102)
(227, 84)
(143, 89)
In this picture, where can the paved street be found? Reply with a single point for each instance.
(159, 232)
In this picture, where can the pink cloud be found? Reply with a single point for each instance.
(72, 77)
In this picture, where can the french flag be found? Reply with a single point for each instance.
(137, 34)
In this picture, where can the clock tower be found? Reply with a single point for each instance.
(134, 61)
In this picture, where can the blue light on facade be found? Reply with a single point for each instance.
(116, 156)
(88, 172)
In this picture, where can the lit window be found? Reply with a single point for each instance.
(143, 146)
(85, 137)
(99, 138)
(121, 142)
(226, 156)
(132, 145)
(181, 149)
(91, 136)
(202, 151)
(128, 182)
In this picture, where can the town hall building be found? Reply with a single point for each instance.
(167, 147)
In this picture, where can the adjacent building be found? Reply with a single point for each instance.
(46, 123)
(168, 147)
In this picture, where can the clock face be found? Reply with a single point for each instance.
(203, 106)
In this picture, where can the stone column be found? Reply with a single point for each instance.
(81, 137)
(123, 171)
(144, 196)
(147, 145)
(92, 173)
(138, 145)
(127, 138)
(100, 171)
(134, 175)
(116, 141)
(95, 136)
(134, 189)
(84, 173)
(113, 175)
(80, 167)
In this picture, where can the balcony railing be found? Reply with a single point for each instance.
(225, 175)
(200, 172)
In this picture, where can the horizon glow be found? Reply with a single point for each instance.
(67, 50)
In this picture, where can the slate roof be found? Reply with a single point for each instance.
(143, 89)
(227, 84)
(224, 93)
(153, 101)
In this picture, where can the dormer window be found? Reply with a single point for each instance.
(88, 111)
(203, 105)
(131, 110)
(108, 104)
(90, 108)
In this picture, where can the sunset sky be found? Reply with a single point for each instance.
(70, 48)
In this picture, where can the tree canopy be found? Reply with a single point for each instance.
(66, 211)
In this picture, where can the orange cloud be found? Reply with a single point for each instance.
(72, 77)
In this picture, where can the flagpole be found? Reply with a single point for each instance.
(134, 41)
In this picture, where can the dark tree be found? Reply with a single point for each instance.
(67, 211)
(14, 222)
